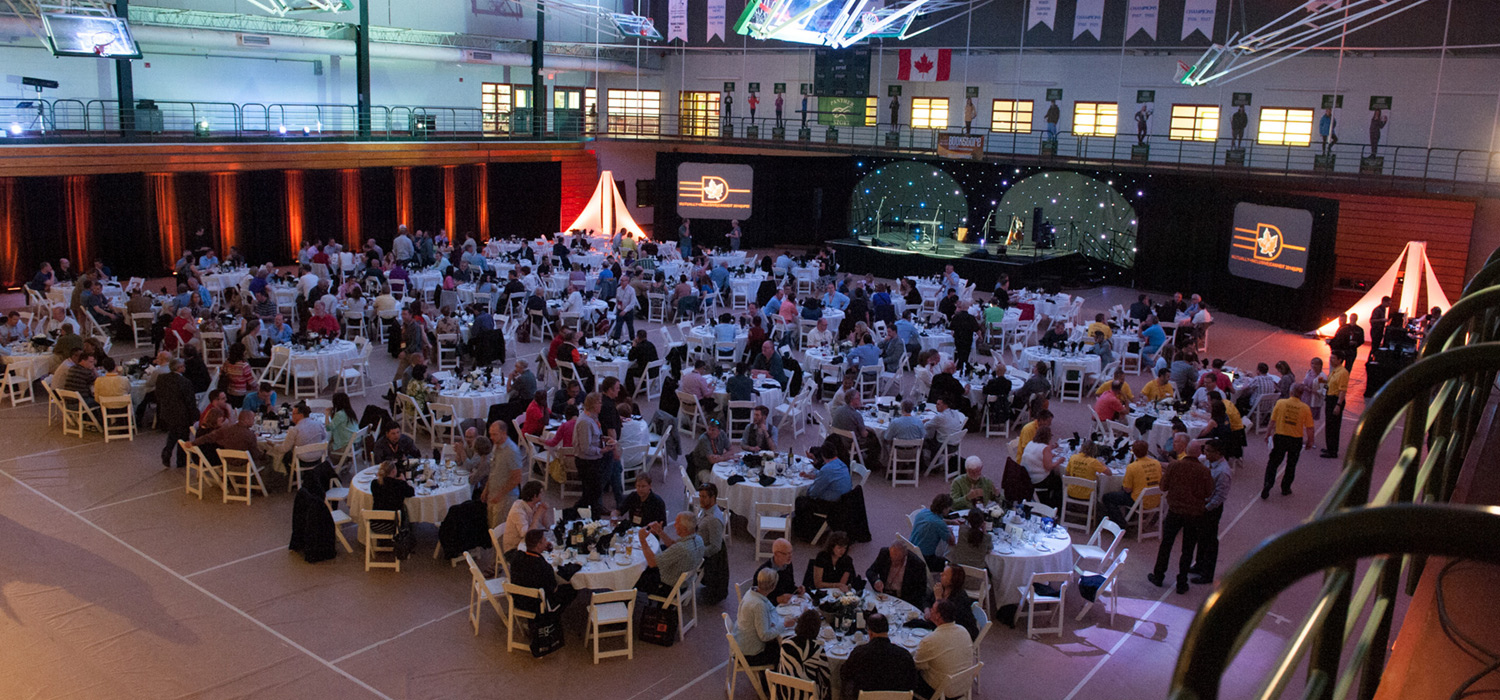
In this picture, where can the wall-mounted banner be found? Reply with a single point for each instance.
(1141, 18)
(1089, 19)
(677, 20)
(716, 19)
(1269, 244)
(1198, 15)
(960, 146)
(714, 190)
(841, 111)
(1042, 12)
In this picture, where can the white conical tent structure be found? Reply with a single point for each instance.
(1419, 274)
(606, 212)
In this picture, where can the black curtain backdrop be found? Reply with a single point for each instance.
(525, 199)
(797, 200)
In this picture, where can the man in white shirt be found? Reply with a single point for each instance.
(944, 423)
(951, 280)
(625, 308)
(304, 431)
(306, 281)
(943, 653)
(402, 246)
(820, 336)
(757, 631)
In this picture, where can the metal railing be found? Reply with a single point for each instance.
(1386, 529)
(69, 120)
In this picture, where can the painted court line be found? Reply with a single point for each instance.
(284, 639)
(232, 563)
(695, 681)
(353, 654)
(127, 500)
(54, 451)
(1149, 611)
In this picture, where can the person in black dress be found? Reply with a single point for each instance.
(833, 568)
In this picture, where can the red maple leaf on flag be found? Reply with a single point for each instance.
(924, 64)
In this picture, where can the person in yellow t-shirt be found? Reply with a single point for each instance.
(1159, 388)
(1141, 474)
(1085, 465)
(1126, 394)
(1333, 405)
(1042, 419)
(1292, 424)
(1099, 325)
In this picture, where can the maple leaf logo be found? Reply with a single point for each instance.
(714, 189)
(1269, 242)
(923, 64)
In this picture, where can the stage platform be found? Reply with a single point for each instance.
(1045, 269)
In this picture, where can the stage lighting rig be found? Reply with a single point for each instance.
(844, 23)
(1314, 24)
(282, 8)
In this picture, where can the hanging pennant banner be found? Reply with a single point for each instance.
(677, 20)
(1142, 17)
(716, 19)
(1089, 18)
(1198, 15)
(1042, 12)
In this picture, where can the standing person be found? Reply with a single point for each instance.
(589, 442)
(685, 233)
(1347, 339)
(1328, 128)
(753, 101)
(625, 307)
(969, 113)
(734, 234)
(728, 109)
(1333, 407)
(1142, 123)
(1377, 123)
(1206, 559)
(1237, 124)
(1188, 486)
(505, 473)
(1378, 316)
(779, 104)
(963, 325)
(1053, 116)
(176, 411)
(895, 106)
(1292, 422)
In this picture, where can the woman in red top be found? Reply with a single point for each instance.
(238, 377)
(322, 323)
(536, 415)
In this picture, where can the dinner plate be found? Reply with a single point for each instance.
(910, 642)
(789, 610)
(918, 633)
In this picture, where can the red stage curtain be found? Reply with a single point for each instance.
(10, 233)
(349, 186)
(482, 199)
(163, 190)
(450, 203)
(294, 217)
(79, 210)
(225, 199)
(403, 196)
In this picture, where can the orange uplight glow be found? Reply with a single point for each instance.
(10, 234)
(163, 189)
(79, 209)
(482, 199)
(403, 196)
(226, 198)
(349, 187)
(450, 207)
(294, 210)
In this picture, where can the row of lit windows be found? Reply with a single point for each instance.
(639, 111)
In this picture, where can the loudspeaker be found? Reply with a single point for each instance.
(1036, 222)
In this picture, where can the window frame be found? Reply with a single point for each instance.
(928, 106)
(631, 111)
(1198, 131)
(693, 121)
(1012, 125)
(1094, 112)
(493, 118)
(1284, 121)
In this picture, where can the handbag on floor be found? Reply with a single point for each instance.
(546, 633)
(658, 625)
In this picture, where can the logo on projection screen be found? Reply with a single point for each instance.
(714, 190)
(1270, 244)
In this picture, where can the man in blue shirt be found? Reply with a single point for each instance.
(835, 299)
(832, 482)
(909, 335)
(262, 401)
(929, 529)
(866, 354)
(720, 276)
(906, 426)
(279, 332)
(783, 261)
(768, 362)
(1152, 337)
(208, 261)
(726, 329)
(773, 305)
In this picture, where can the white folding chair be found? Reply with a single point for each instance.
(960, 686)
(612, 614)
(17, 387)
(303, 459)
(1095, 552)
(484, 590)
(784, 687)
(772, 521)
(906, 462)
(1031, 600)
(738, 665)
(304, 377)
(118, 418)
(336, 494)
(198, 470)
(517, 617)
(241, 476)
(140, 329)
(380, 526)
(1110, 587)
(1158, 513)
(1073, 507)
(77, 414)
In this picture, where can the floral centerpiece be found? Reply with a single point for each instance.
(844, 611)
(584, 536)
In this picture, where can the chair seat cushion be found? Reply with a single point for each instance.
(496, 586)
(772, 522)
(612, 613)
(341, 518)
(1088, 551)
(338, 493)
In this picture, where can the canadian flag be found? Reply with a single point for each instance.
(924, 65)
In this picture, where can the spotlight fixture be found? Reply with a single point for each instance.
(15, 128)
(281, 129)
(201, 128)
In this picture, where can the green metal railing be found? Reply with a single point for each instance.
(1443, 170)
(1391, 528)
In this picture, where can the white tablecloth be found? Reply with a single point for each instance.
(1161, 428)
(468, 404)
(423, 507)
(734, 259)
(742, 497)
(331, 360)
(1011, 565)
(1057, 361)
(33, 366)
(933, 339)
(226, 280)
(608, 573)
(424, 280)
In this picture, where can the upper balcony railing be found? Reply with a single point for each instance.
(75, 121)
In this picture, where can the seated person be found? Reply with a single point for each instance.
(951, 588)
(831, 479)
(897, 573)
(262, 402)
(802, 654)
(681, 553)
(929, 530)
(973, 542)
(643, 507)
(878, 665)
(758, 627)
(761, 434)
(530, 569)
(712, 448)
(1140, 474)
(781, 564)
(972, 487)
(945, 652)
(1111, 405)
(833, 568)
(394, 445)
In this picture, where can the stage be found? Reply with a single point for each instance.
(1047, 269)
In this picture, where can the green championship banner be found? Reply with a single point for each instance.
(841, 111)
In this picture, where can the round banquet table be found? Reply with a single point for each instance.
(330, 360)
(1057, 360)
(896, 610)
(32, 365)
(424, 280)
(611, 572)
(1161, 428)
(934, 338)
(747, 285)
(1012, 564)
(1044, 305)
(834, 318)
(605, 363)
(469, 403)
(228, 280)
(735, 259)
(427, 506)
(741, 498)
